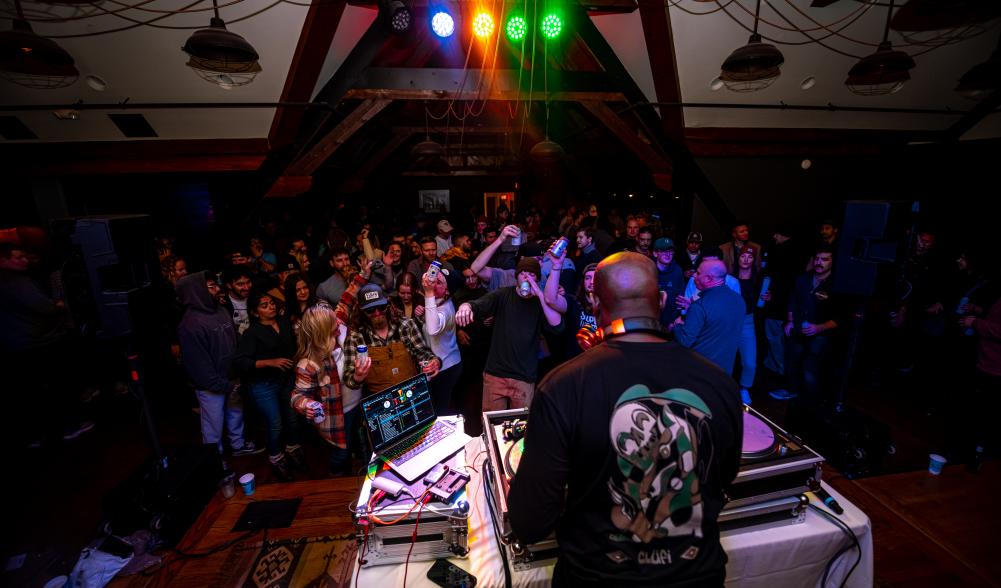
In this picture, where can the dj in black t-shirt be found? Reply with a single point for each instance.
(628, 450)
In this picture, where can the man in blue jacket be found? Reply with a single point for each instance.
(208, 344)
(713, 323)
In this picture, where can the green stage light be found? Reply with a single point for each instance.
(552, 25)
(516, 28)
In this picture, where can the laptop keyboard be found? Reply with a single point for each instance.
(407, 451)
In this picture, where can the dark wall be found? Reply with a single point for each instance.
(956, 185)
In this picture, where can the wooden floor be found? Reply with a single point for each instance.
(932, 530)
(928, 530)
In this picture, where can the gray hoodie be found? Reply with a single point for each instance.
(206, 335)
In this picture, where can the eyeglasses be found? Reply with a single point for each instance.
(375, 310)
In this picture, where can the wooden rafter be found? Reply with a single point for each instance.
(640, 148)
(326, 146)
(375, 93)
(314, 41)
(656, 19)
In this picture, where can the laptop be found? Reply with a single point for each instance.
(406, 433)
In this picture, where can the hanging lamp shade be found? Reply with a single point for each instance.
(982, 79)
(884, 72)
(427, 149)
(221, 56)
(32, 61)
(546, 152)
(429, 155)
(752, 67)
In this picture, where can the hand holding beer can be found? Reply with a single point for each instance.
(317, 407)
(559, 247)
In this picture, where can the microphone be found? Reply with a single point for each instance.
(824, 497)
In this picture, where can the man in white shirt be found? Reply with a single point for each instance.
(444, 237)
(238, 284)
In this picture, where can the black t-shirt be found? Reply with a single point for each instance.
(627, 453)
(514, 344)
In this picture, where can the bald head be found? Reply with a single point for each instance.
(711, 273)
(626, 286)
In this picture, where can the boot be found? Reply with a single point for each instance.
(281, 467)
(295, 454)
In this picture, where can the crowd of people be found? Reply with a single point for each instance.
(279, 319)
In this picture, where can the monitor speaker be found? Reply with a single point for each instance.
(872, 238)
(119, 259)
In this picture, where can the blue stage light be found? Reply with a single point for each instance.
(442, 24)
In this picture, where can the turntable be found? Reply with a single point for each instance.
(773, 464)
(504, 437)
(775, 469)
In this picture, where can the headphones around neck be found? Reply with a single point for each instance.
(588, 336)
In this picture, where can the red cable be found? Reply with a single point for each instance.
(413, 540)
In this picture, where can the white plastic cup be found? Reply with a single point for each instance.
(248, 484)
(936, 463)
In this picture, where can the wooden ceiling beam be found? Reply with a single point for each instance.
(592, 6)
(326, 146)
(655, 17)
(125, 157)
(371, 93)
(782, 142)
(317, 34)
(641, 149)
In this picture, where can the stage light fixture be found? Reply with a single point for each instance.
(552, 26)
(442, 24)
(516, 28)
(398, 15)
(483, 25)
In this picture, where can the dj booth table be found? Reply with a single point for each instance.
(766, 556)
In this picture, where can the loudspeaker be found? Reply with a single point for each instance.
(850, 441)
(119, 257)
(165, 500)
(872, 238)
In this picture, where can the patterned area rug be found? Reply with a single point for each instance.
(286, 563)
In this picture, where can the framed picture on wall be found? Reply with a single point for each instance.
(432, 201)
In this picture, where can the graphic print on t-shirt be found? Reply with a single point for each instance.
(657, 437)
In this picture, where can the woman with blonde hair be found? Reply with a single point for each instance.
(317, 381)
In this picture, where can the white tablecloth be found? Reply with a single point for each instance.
(764, 556)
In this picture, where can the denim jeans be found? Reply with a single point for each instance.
(776, 355)
(272, 398)
(748, 352)
(805, 358)
(340, 457)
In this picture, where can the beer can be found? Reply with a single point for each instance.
(524, 287)
(433, 270)
(516, 240)
(318, 409)
(559, 247)
(362, 351)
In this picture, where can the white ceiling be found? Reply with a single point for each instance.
(146, 64)
(703, 42)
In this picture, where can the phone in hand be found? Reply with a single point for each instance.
(445, 573)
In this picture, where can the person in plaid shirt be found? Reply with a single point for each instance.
(396, 350)
(316, 380)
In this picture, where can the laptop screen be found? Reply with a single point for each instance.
(396, 412)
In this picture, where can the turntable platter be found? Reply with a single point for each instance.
(513, 457)
(759, 439)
